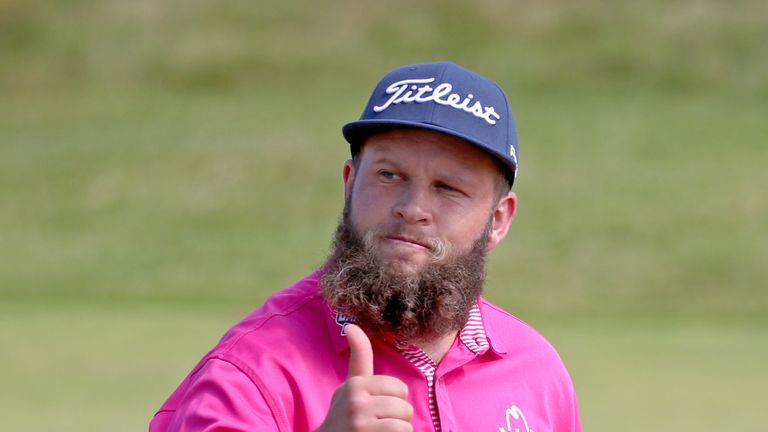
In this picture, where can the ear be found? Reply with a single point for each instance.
(502, 218)
(349, 178)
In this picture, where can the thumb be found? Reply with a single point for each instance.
(360, 352)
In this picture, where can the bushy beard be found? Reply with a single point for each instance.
(418, 306)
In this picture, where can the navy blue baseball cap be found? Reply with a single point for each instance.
(442, 97)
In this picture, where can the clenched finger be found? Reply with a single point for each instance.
(388, 407)
(385, 385)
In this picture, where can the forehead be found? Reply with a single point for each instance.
(430, 150)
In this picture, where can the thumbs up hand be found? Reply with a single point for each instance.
(367, 402)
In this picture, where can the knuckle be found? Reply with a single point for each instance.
(408, 411)
(355, 383)
(398, 388)
(357, 404)
(350, 387)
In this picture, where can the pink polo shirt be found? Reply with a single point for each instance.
(277, 370)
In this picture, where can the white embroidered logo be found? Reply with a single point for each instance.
(514, 417)
(343, 320)
(408, 91)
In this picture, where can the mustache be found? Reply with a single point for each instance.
(440, 249)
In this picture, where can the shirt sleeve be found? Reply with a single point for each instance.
(220, 397)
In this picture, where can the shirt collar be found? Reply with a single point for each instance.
(473, 335)
(476, 335)
(491, 337)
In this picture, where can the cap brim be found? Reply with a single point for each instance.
(357, 132)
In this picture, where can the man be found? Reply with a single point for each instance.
(392, 334)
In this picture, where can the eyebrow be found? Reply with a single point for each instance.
(454, 180)
(385, 160)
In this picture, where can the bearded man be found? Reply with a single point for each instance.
(392, 333)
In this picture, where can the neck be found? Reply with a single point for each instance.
(438, 347)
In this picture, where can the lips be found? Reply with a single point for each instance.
(410, 240)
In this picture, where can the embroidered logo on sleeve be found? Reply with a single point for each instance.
(515, 421)
(343, 320)
(408, 91)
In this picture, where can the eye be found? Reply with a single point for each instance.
(448, 188)
(389, 175)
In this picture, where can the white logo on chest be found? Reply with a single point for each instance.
(515, 418)
(408, 91)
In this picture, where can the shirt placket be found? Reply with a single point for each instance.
(423, 363)
(472, 335)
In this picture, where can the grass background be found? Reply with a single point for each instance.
(165, 165)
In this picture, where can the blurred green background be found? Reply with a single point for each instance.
(165, 165)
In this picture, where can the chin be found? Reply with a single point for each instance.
(408, 267)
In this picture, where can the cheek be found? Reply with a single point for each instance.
(368, 205)
(452, 213)
(462, 228)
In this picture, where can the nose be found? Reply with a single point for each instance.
(414, 206)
